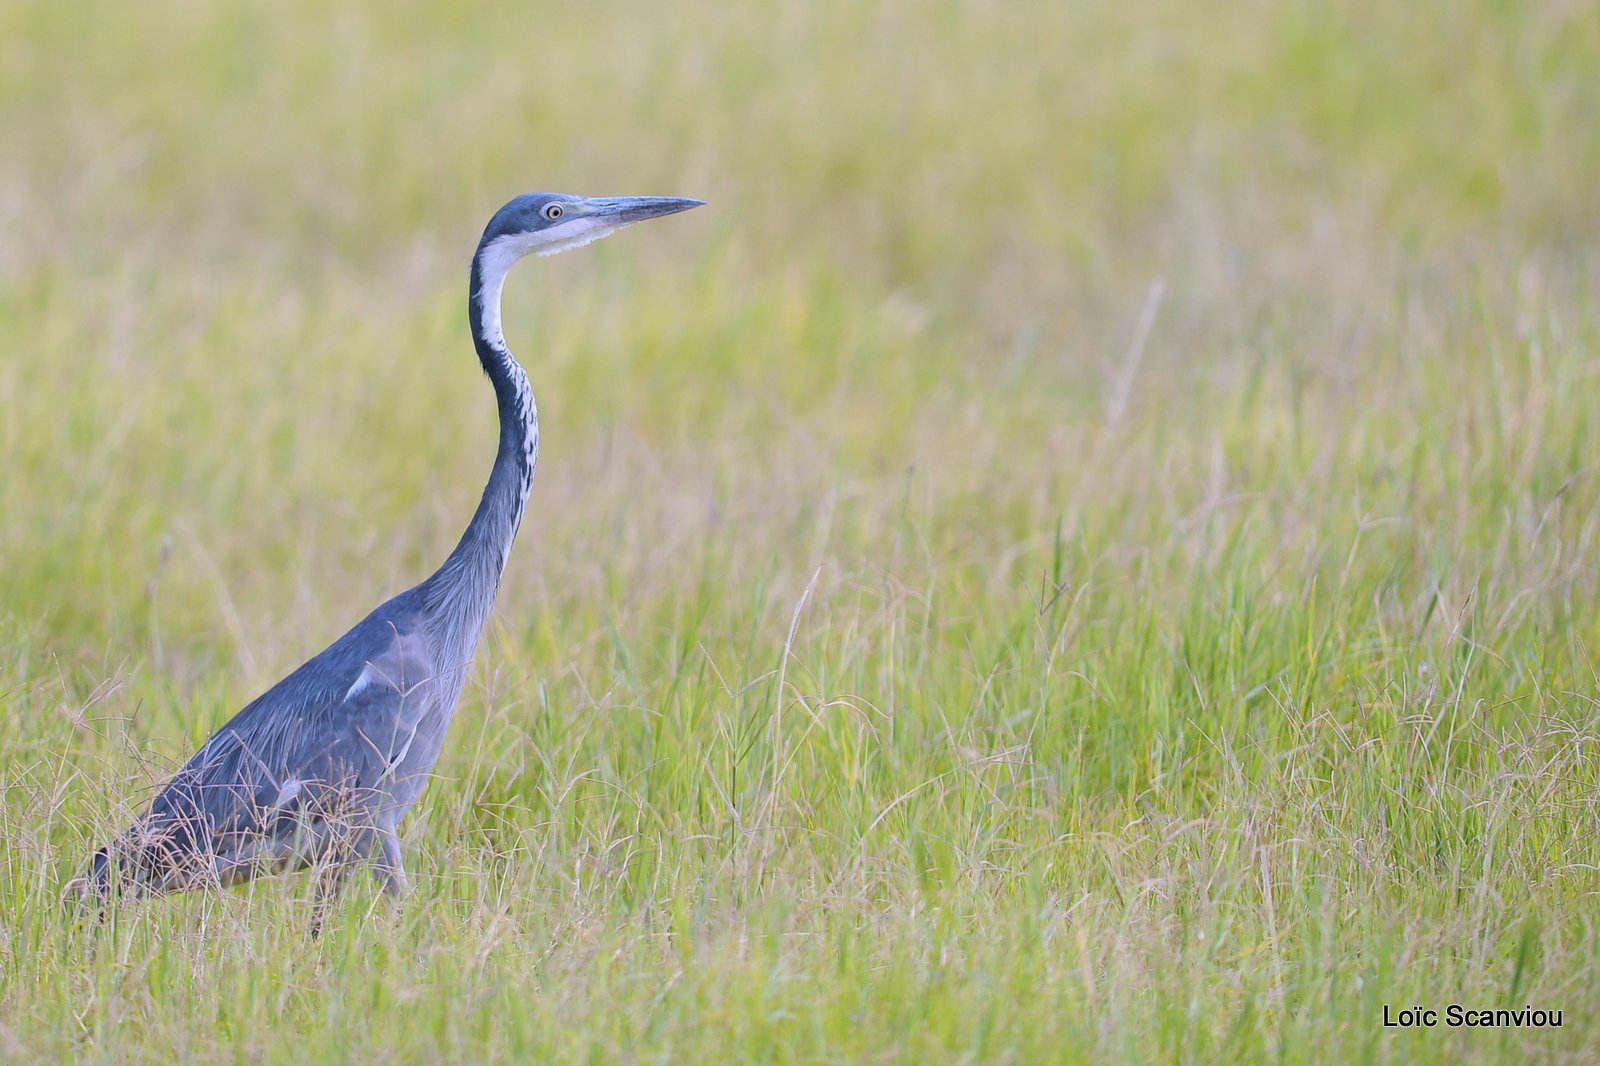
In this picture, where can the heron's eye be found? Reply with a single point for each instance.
(553, 211)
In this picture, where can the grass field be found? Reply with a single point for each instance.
(1088, 550)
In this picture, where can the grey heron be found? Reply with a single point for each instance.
(320, 769)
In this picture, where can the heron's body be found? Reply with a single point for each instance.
(321, 768)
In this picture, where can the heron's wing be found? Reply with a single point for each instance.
(321, 744)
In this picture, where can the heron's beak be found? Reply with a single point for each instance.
(624, 210)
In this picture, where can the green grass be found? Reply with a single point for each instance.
(1085, 551)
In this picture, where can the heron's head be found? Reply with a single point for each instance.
(544, 223)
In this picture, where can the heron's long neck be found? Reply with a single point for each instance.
(462, 591)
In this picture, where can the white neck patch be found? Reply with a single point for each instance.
(500, 254)
(493, 263)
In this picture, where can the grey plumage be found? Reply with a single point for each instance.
(321, 768)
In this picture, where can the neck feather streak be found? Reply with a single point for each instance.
(461, 592)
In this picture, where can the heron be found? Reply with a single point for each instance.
(319, 770)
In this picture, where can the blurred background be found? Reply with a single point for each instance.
(1065, 419)
(235, 242)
